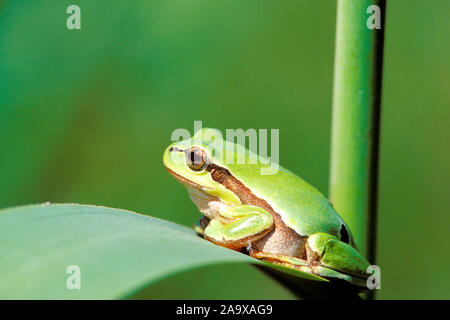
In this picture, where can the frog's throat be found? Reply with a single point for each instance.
(207, 204)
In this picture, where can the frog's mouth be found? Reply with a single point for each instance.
(185, 181)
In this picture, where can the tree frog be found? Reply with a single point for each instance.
(278, 218)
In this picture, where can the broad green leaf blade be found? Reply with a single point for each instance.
(118, 251)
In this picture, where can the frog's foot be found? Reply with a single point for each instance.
(201, 225)
(286, 261)
(248, 224)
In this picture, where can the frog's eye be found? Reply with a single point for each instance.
(196, 158)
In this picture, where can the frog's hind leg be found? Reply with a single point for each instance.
(327, 257)
(314, 271)
(333, 254)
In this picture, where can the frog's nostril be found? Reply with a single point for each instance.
(175, 149)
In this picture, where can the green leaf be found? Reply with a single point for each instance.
(118, 251)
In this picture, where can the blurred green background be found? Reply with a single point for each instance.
(86, 114)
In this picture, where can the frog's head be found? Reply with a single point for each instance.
(198, 164)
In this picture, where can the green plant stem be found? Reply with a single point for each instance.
(356, 120)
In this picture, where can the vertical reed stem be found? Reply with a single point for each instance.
(356, 119)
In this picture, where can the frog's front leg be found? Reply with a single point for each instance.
(201, 225)
(236, 227)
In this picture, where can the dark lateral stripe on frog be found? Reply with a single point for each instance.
(224, 177)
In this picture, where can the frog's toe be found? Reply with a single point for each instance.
(201, 225)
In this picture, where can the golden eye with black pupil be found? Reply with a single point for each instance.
(196, 158)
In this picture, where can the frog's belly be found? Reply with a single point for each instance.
(282, 240)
